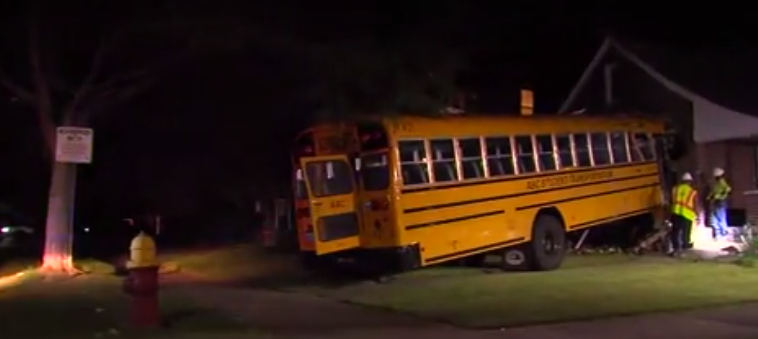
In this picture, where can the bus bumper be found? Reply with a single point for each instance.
(384, 260)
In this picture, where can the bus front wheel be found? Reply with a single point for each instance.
(545, 252)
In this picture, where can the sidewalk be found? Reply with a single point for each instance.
(732, 323)
(296, 316)
(290, 314)
(728, 322)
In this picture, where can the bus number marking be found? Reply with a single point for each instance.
(403, 127)
(337, 204)
(568, 179)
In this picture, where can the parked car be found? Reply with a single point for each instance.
(16, 236)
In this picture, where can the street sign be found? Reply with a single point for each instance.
(74, 145)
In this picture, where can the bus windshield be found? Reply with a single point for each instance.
(374, 171)
(329, 178)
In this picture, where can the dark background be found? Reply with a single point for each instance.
(212, 135)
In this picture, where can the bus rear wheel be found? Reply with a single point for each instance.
(545, 252)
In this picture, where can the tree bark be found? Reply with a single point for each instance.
(58, 255)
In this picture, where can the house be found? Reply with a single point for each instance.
(704, 99)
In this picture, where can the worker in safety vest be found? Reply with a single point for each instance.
(683, 214)
(717, 201)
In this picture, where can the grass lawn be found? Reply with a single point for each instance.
(93, 306)
(9, 267)
(242, 263)
(586, 287)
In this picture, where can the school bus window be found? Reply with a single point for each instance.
(443, 160)
(374, 172)
(581, 145)
(472, 166)
(328, 178)
(634, 151)
(545, 152)
(525, 154)
(645, 146)
(619, 148)
(600, 152)
(563, 144)
(499, 156)
(413, 162)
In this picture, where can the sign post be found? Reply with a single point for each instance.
(73, 146)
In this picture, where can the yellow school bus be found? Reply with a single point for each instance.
(320, 140)
(435, 189)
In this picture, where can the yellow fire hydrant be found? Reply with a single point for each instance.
(142, 282)
(142, 252)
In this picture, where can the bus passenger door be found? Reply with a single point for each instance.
(330, 182)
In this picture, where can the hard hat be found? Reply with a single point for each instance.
(718, 171)
(686, 176)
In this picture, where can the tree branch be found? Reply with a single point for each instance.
(44, 99)
(123, 88)
(118, 95)
(15, 89)
(89, 85)
(95, 71)
(126, 79)
(59, 85)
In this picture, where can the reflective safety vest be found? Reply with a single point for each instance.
(684, 201)
(720, 190)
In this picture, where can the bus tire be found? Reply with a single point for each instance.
(515, 259)
(548, 246)
(535, 255)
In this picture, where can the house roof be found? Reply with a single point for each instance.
(726, 81)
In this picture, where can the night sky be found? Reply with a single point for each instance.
(235, 80)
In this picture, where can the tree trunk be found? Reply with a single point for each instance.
(58, 255)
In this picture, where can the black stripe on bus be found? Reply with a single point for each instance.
(474, 250)
(452, 220)
(607, 219)
(521, 194)
(517, 240)
(594, 195)
(522, 177)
